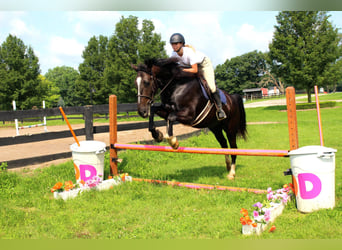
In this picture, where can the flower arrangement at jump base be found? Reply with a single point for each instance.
(266, 212)
(71, 190)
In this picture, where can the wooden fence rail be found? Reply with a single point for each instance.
(89, 130)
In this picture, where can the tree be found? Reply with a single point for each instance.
(52, 95)
(91, 85)
(63, 78)
(127, 46)
(240, 72)
(19, 75)
(303, 45)
(269, 78)
(332, 76)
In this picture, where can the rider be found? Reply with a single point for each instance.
(199, 63)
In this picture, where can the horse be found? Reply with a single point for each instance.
(183, 100)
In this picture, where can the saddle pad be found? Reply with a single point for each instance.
(222, 96)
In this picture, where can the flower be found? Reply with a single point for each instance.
(272, 229)
(262, 211)
(244, 212)
(68, 185)
(93, 181)
(57, 187)
(267, 215)
(255, 213)
(246, 220)
(258, 205)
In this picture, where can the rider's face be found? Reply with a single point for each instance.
(176, 46)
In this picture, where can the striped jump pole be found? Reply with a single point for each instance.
(114, 145)
(214, 151)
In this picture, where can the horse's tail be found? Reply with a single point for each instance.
(242, 131)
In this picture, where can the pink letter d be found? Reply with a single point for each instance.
(316, 185)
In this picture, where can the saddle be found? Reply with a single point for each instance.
(207, 92)
(211, 103)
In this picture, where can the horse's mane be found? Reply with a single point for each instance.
(144, 68)
(162, 62)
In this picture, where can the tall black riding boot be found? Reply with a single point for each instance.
(220, 112)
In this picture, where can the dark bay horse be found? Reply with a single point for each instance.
(183, 100)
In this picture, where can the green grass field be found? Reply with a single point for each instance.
(151, 211)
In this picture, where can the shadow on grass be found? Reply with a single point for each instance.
(194, 174)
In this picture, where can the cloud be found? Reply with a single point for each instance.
(203, 31)
(93, 23)
(65, 46)
(251, 39)
(61, 52)
(214, 33)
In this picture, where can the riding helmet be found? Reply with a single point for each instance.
(177, 38)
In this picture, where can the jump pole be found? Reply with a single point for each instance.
(319, 116)
(114, 145)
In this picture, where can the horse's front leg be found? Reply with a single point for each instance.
(169, 134)
(156, 134)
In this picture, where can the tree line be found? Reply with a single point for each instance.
(305, 51)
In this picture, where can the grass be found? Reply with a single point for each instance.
(150, 211)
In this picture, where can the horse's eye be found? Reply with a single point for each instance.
(146, 83)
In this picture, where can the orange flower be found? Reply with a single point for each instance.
(82, 182)
(243, 221)
(254, 224)
(244, 212)
(272, 229)
(68, 185)
(110, 177)
(292, 187)
(57, 186)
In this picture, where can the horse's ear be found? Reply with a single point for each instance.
(134, 67)
(150, 62)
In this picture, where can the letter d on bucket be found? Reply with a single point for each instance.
(88, 159)
(313, 175)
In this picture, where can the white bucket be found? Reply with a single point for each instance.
(313, 176)
(88, 159)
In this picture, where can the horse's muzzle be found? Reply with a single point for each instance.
(143, 113)
(144, 110)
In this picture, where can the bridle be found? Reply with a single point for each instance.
(154, 80)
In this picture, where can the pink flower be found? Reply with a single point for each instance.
(269, 190)
(258, 205)
(269, 196)
(267, 215)
(255, 214)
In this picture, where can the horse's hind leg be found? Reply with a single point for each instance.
(223, 142)
(232, 143)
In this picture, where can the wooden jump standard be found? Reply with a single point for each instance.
(114, 145)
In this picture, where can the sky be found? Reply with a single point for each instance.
(59, 37)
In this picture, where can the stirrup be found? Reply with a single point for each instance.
(220, 112)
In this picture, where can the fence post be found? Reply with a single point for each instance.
(113, 134)
(88, 122)
(292, 117)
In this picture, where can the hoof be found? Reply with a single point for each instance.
(231, 177)
(173, 142)
(176, 145)
(158, 136)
